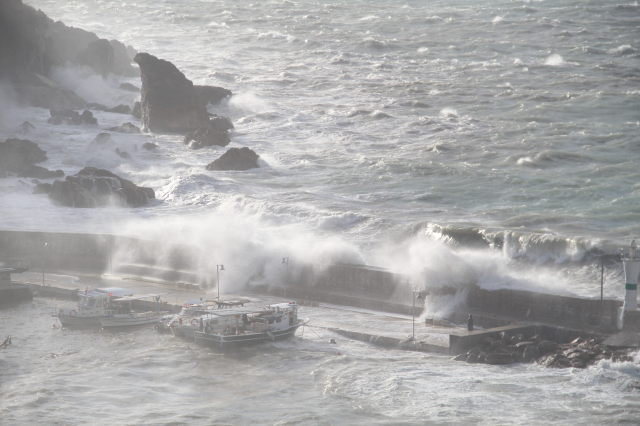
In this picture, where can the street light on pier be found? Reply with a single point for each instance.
(285, 260)
(218, 269)
(43, 247)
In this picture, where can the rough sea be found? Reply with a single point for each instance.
(488, 142)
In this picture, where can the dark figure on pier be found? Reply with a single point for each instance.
(201, 325)
(207, 328)
(470, 323)
(245, 319)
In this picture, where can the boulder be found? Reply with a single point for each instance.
(499, 359)
(137, 110)
(97, 106)
(120, 109)
(505, 337)
(129, 87)
(25, 128)
(102, 141)
(149, 146)
(530, 353)
(522, 345)
(517, 338)
(461, 357)
(19, 156)
(497, 344)
(169, 102)
(42, 188)
(206, 136)
(125, 128)
(68, 116)
(211, 94)
(122, 60)
(93, 187)
(220, 124)
(98, 55)
(546, 347)
(236, 159)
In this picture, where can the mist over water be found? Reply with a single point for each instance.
(499, 136)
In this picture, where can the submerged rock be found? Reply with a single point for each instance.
(42, 188)
(25, 128)
(19, 156)
(120, 109)
(206, 136)
(211, 94)
(93, 187)
(68, 116)
(130, 87)
(125, 128)
(236, 159)
(169, 102)
(149, 146)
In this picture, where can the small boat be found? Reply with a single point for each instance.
(119, 312)
(187, 321)
(246, 327)
(91, 305)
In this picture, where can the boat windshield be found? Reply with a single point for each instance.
(88, 302)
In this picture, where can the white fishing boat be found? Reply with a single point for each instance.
(91, 305)
(246, 327)
(187, 321)
(119, 312)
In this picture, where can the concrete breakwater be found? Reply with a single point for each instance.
(344, 284)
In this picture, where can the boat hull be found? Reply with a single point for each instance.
(109, 322)
(79, 322)
(217, 341)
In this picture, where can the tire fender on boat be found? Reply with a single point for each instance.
(72, 313)
(194, 322)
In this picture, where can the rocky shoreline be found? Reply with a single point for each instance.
(32, 45)
(518, 348)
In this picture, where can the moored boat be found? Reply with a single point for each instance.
(119, 312)
(91, 305)
(246, 327)
(187, 321)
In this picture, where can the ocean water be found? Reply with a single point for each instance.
(488, 142)
(492, 142)
(54, 376)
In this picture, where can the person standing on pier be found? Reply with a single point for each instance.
(470, 323)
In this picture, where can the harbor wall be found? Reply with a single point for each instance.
(342, 284)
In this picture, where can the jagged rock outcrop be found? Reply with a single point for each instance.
(211, 94)
(68, 116)
(122, 61)
(31, 44)
(19, 156)
(236, 159)
(98, 56)
(125, 128)
(42, 188)
(38, 91)
(206, 136)
(169, 102)
(92, 187)
(149, 146)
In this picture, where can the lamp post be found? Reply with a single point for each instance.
(218, 269)
(43, 247)
(285, 260)
(416, 295)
